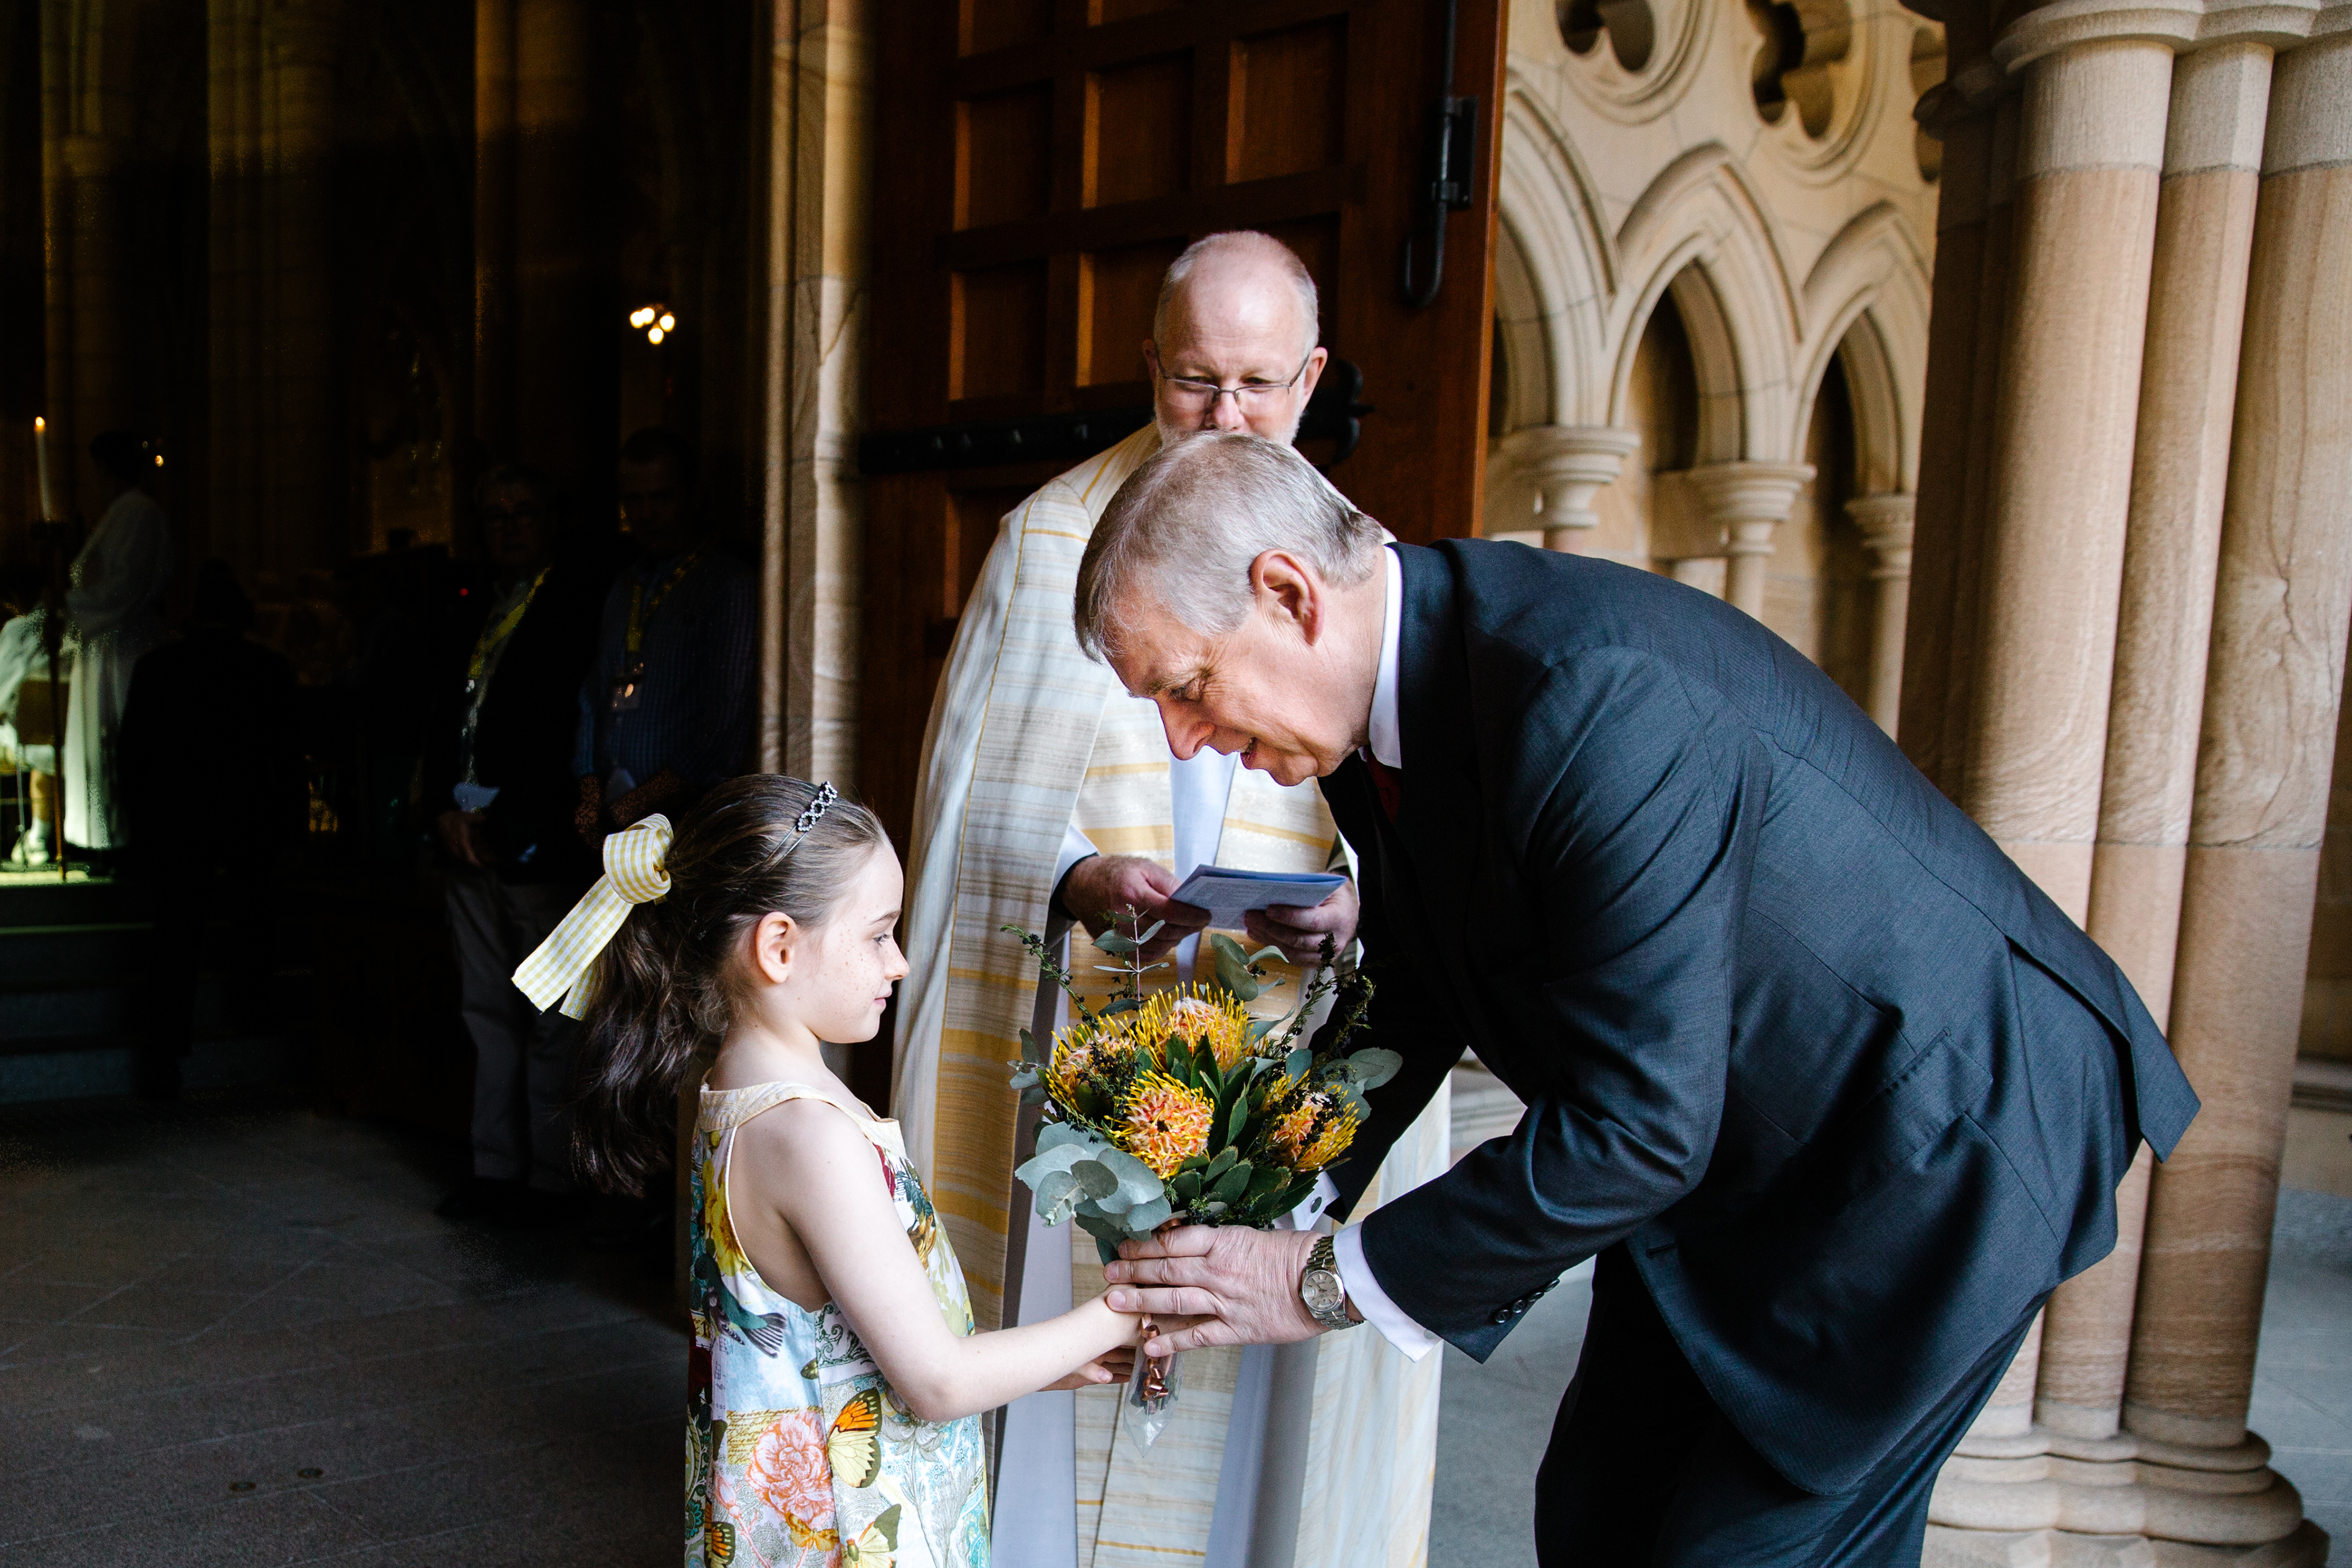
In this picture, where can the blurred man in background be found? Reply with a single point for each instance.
(499, 764)
(667, 710)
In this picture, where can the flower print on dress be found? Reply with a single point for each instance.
(789, 1471)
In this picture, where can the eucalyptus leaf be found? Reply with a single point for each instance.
(1296, 1063)
(1145, 1218)
(1112, 942)
(1214, 1209)
(1124, 1004)
(1108, 1235)
(1144, 936)
(1261, 955)
(1035, 1095)
(1259, 1029)
(1054, 1134)
(1024, 1075)
(1232, 969)
(1030, 1051)
(1096, 1178)
(1056, 1195)
(1048, 1161)
(1138, 1182)
(1373, 1066)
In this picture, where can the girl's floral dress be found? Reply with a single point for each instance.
(798, 1454)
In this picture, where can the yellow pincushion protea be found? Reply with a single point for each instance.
(1165, 1123)
(1301, 1147)
(1196, 1013)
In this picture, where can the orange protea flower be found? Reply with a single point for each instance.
(1197, 1014)
(1167, 1123)
(1337, 1134)
(1301, 1145)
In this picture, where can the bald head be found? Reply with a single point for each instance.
(1239, 278)
(1237, 311)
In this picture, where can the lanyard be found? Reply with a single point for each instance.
(494, 636)
(487, 648)
(641, 612)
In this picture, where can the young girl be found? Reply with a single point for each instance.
(835, 1379)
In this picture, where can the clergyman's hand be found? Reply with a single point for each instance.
(1242, 1283)
(1114, 884)
(1300, 932)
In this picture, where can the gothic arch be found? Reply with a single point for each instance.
(1700, 230)
(1866, 301)
(1566, 267)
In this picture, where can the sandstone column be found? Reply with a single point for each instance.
(234, 293)
(2090, 146)
(1976, 500)
(1959, 111)
(1568, 464)
(567, 313)
(2188, 391)
(1748, 502)
(493, 226)
(95, 166)
(1886, 523)
(308, 514)
(2272, 692)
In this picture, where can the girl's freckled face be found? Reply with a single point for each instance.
(853, 959)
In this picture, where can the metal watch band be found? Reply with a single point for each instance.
(1332, 1313)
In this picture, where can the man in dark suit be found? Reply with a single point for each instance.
(499, 763)
(1836, 1095)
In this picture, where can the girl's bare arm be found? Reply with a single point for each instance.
(841, 1237)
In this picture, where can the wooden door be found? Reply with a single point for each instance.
(1039, 162)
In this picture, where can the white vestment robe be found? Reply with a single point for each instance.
(116, 604)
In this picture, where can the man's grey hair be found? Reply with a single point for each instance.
(1242, 242)
(1184, 529)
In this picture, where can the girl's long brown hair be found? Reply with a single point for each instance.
(663, 988)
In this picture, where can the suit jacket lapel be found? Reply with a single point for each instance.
(1437, 825)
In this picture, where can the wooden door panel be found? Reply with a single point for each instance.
(1041, 162)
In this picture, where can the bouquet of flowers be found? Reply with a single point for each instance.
(1182, 1107)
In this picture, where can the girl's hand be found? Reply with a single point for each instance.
(1114, 1366)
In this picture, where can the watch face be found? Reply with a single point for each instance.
(1321, 1290)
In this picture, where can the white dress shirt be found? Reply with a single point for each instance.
(1388, 747)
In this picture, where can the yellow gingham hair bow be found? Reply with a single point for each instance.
(565, 962)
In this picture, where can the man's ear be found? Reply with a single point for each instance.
(1288, 589)
(773, 940)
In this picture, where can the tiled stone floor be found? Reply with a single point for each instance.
(199, 1306)
(237, 1334)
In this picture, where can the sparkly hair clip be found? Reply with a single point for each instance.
(825, 795)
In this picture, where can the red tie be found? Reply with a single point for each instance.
(1388, 782)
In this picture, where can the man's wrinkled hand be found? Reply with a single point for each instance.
(1242, 1283)
(1113, 884)
(1299, 932)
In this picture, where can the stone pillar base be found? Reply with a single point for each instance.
(1949, 1548)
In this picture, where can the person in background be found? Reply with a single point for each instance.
(22, 658)
(665, 711)
(116, 605)
(498, 766)
(213, 788)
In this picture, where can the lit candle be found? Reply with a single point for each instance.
(41, 459)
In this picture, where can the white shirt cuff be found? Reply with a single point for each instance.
(1356, 1278)
(1310, 1208)
(1076, 847)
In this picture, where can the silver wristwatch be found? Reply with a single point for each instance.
(1320, 1289)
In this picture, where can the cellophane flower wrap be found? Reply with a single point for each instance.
(1181, 1105)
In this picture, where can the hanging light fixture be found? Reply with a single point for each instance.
(655, 321)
